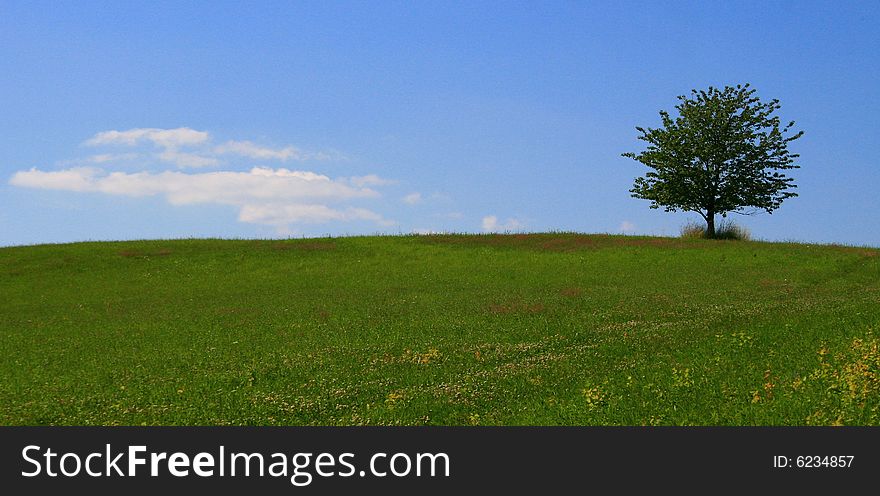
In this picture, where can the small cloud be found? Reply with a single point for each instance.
(169, 140)
(165, 138)
(252, 150)
(491, 224)
(285, 214)
(187, 147)
(627, 227)
(412, 198)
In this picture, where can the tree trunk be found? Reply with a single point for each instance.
(710, 225)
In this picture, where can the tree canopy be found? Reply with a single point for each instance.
(723, 153)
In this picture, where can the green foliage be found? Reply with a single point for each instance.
(722, 153)
(531, 329)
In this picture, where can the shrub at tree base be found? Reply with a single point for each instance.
(725, 230)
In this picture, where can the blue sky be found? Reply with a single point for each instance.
(124, 120)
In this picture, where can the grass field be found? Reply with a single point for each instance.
(444, 329)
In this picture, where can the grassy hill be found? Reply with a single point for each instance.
(445, 329)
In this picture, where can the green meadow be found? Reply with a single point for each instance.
(538, 329)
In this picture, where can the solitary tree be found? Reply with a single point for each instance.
(721, 154)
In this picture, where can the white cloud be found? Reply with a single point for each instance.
(276, 197)
(627, 227)
(265, 196)
(252, 150)
(198, 152)
(369, 180)
(227, 187)
(169, 140)
(491, 224)
(165, 138)
(78, 179)
(412, 198)
(285, 214)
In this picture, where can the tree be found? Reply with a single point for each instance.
(723, 153)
